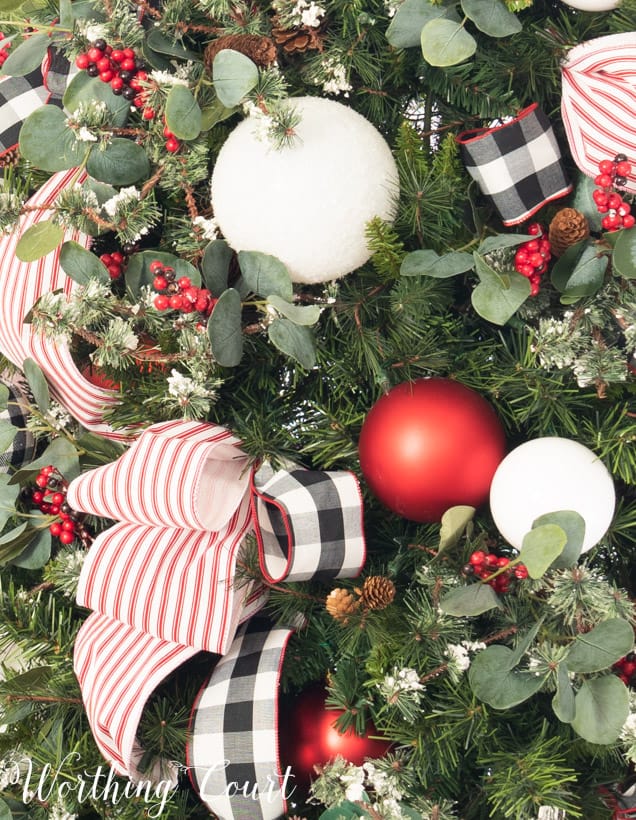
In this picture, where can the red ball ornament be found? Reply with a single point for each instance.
(429, 445)
(308, 738)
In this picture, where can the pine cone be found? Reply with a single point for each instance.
(341, 604)
(297, 39)
(568, 227)
(259, 49)
(377, 592)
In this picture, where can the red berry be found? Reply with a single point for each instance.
(192, 294)
(68, 525)
(534, 288)
(82, 61)
(478, 557)
(525, 270)
(58, 498)
(628, 221)
(55, 528)
(127, 64)
(106, 76)
(117, 55)
(600, 197)
(167, 132)
(603, 180)
(629, 667)
(116, 83)
(129, 54)
(187, 307)
(37, 497)
(536, 260)
(211, 304)
(103, 64)
(47, 470)
(202, 304)
(624, 208)
(117, 256)
(114, 270)
(55, 508)
(535, 229)
(614, 200)
(67, 537)
(623, 169)
(492, 559)
(172, 145)
(45, 507)
(176, 301)
(156, 266)
(134, 84)
(106, 258)
(148, 113)
(160, 283)
(94, 54)
(184, 282)
(161, 302)
(503, 561)
(606, 166)
(532, 246)
(41, 481)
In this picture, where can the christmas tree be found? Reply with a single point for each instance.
(317, 331)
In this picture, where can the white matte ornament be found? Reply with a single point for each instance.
(308, 203)
(592, 5)
(547, 475)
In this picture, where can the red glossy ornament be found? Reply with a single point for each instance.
(308, 738)
(429, 445)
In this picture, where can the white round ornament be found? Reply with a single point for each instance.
(592, 5)
(307, 203)
(546, 475)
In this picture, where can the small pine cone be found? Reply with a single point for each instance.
(259, 49)
(341, 604)
(377, 592)
(568, 227)
(297, 39)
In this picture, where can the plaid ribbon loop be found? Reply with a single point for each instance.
(161, 581)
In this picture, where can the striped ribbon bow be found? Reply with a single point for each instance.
(161, 581)
(598, 101)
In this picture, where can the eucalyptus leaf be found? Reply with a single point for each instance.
(265, 274)
(470, 600)
(405, 27)
(580, 274)
(27, 56)
(624, 256)
(158, 41)
(5, 809)
(298, 314)
(583, 202)
(37, 384)
(454, 523)
(66, 13)
(98, 450)
(563, 702)
(138, 271)
(215, 266)
(39, 240)
(8, 497)
(601, 647)
(418, 263)
(102, 190)
(492, 17)
(82, 265)
(120, 162)
(602, 707)
(225, 330)
(84, 89)
(293, 340)
(441, 267)
(524, 643)
(540, 547)
(47, 142)
(214, 113)
(573, 525)
(8, 432)
(497, 299)
(501, 240)
(37, 552)
(445, 43)
(493, 681)
(234, 75)
(13, 543)
(343, 811)
(183, 115)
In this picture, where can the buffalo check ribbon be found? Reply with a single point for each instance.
(598, 102)
(161, 581)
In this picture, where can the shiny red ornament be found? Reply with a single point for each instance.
(429, 445)
(308, 738)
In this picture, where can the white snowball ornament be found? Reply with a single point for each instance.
(592, 5)
(546, 475)
(307, 203)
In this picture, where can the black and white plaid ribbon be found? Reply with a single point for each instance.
(21, 96)
(517, 164)
(233, 745)
(22, 448)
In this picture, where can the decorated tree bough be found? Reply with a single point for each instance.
(317, 324)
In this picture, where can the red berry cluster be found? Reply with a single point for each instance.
(4, 50)
(119, 67)
(484, 564)
(179, 294)
(49, 495)
(532, 257)
(612, 175)
(114, 263)
(625, 668)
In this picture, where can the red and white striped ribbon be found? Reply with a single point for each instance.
(21, 285)
(599, 100)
